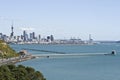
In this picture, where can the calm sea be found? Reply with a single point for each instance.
(76, 68)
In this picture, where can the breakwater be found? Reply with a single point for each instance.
(72, 54)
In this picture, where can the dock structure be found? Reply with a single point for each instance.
(64, 54)
(72, 54)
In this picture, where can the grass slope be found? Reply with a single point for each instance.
(6, 51)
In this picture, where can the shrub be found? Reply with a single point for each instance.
(20, 72)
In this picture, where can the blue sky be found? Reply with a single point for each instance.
(63, 18)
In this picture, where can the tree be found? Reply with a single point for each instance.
(5, 73)
(20, 72)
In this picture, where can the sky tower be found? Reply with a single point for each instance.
(12, 33)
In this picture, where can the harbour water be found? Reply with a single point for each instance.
(77, 67)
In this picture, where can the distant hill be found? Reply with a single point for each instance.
(6, 51)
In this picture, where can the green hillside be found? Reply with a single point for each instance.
(6, 51)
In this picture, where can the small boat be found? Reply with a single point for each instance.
(112, 53)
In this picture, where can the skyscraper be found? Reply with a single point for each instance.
(52, 38)
(25, 36)
(39, 37)
(33, 35)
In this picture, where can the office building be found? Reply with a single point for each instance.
(25, 36)
(51, 38)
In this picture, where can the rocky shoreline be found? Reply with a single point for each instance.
(15, 60)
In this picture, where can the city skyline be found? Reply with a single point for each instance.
(62, 18)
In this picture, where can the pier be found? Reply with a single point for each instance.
(63, 54)
(72, 54)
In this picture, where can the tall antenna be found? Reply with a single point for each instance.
(12, 32)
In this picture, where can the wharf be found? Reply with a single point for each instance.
(72, 54)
